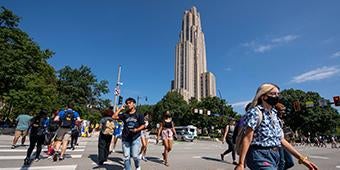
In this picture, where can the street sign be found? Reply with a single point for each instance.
(309, 104)
(323, 102)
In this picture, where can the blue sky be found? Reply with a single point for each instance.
(294, 44)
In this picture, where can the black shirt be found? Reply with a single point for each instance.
(131, 121)
(37, 126)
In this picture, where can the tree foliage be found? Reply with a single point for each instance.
(316, 119)
(28, 83)
(183, 113)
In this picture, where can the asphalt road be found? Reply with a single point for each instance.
(197, 155)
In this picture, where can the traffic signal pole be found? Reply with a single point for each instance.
(117, 88)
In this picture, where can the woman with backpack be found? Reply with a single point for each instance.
(106, 126)
(37, 136)
(167, 130)
(263, 135)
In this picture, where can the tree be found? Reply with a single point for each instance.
(27, 81)
(316, 119)
(173, 102)
(80, 86)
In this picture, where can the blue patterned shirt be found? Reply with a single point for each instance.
(269, 132)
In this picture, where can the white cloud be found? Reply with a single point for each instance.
(267, 46)
(240, 104)
(285, 39)
(335, 55)
(263, 48)
(227, 69)
(317, 74)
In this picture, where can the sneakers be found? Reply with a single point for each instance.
(61, 158)
(36, 159)
(13, 147)
(138, 168)
(144, 159)
(235, 163)
(26, 161)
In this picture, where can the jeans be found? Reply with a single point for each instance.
(286, 160)
(131, 149)
(263, 159)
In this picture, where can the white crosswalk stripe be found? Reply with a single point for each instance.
(19, 153)
(63, 167)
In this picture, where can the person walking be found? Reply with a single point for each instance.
(67, 118)
(227, 137)
(117, 134)
(167, 130)
(145, 137)
(106, 128)
(38, 128)
(262, 139)
(23, 122)
(133, 125)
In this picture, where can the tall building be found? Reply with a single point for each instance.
(192, 80)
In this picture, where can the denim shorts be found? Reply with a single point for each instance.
(263, 158)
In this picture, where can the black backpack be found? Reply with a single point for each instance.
(67, 120)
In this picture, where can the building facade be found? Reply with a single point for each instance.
(192, 80)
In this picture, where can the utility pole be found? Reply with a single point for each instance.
(117, 88)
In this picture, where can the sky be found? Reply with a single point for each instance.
(294, 44)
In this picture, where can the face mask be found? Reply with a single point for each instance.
(272, 100)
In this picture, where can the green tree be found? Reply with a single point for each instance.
(177, 106)
(27, 81)
(316, 119)
(80, 86)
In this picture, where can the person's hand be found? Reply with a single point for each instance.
(223, 141)
(310, 165)
(239, 167)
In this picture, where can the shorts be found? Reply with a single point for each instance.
(20, 133)
(63, 134)
(167, 134)
(145, 134)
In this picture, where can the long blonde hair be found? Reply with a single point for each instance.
(263, 89)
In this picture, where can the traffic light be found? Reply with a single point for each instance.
(336, 100)
(296, 106)
(120, 100)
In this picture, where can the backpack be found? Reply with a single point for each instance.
(67, 120)
(109, 127)
(241, 130)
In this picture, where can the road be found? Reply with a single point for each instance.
(197, 155)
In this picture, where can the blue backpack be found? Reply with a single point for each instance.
(67, 119)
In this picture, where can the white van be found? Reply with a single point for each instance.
(186, 133)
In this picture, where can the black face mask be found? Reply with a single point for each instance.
(272, 100)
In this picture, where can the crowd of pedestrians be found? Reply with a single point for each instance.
(260, 138)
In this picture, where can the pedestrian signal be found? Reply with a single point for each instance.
(120, 100)
(336, 100)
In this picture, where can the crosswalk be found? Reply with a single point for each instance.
(12, 159)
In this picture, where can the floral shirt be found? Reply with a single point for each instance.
(269, 132)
